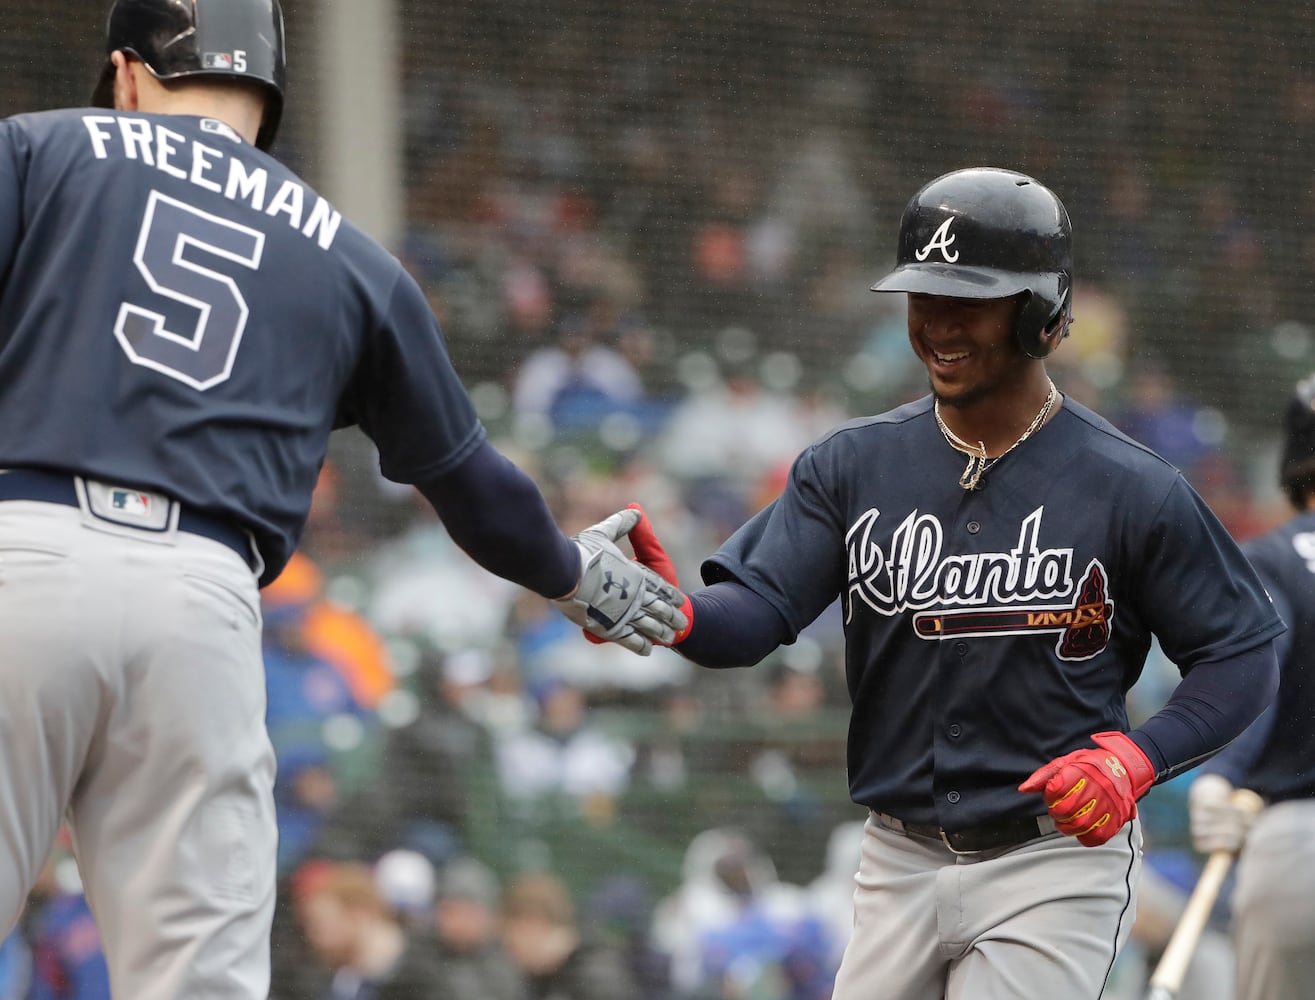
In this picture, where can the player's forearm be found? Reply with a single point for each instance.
(498, 517)
(1212, 705)
(733, 627)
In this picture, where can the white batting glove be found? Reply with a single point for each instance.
(617, 598)
(1217, 822)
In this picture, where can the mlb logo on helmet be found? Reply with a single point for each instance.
(217, 60)
(130, 502)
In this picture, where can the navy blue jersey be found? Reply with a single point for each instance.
(181, 313)
(992, 630)
(1284, 767)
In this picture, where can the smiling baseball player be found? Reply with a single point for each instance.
(183, 321)
(1003, 557)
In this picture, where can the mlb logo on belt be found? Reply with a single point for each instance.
(129, 502)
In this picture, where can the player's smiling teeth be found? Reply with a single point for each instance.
(946, 358)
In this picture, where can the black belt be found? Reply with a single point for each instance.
(987, 837)
(56, 487)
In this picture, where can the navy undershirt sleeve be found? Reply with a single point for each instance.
(733, 627)
(498, 516)
(1213, 704)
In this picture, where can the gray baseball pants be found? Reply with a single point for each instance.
(1042, 920)
(132, 703)
(1273, 909)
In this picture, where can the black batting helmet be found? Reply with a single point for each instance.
(1297, 468)
(987, 233)
(225, 39)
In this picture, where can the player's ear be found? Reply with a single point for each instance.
(1058, 329)
(125, 83)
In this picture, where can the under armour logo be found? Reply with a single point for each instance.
(940, 240)
(1116, 768)
(609, 583)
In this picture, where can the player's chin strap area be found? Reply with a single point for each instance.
(149, 515)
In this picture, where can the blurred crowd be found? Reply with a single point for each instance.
(653, 267)
(473, 801)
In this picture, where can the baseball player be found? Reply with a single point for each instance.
(183, 321)
(1273, 921)
(1003, 557)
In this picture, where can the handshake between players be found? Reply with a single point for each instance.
(624, 600)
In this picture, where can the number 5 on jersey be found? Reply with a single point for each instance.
(172, 247)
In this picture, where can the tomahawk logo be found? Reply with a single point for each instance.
(940, 240)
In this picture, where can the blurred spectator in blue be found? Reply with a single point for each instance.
(760, 955)
(584, 375)
(15, 966)
(831, 894)
(733, 925)
(67, 962)
(305, 796)
(304, 686)
(1157, 415)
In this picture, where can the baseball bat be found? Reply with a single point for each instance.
(1167, 978)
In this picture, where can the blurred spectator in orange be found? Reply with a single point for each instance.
(296, 603)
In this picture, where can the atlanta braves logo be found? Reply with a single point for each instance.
(1027, 590)
(940, 240)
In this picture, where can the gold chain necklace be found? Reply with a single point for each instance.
(978, 462)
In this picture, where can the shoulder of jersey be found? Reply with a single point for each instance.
(1104, 429)
(892, 418)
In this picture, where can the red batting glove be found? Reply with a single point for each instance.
(1091, 794)
(649, 551)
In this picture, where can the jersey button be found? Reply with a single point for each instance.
(952, 796)
(973, 527)
(961, 648)
(956, 730)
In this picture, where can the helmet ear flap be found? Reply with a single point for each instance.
(1038, 329)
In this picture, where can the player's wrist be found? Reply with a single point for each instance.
(687, 609)
(1141, 772)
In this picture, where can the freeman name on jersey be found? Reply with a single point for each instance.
(210, 168)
